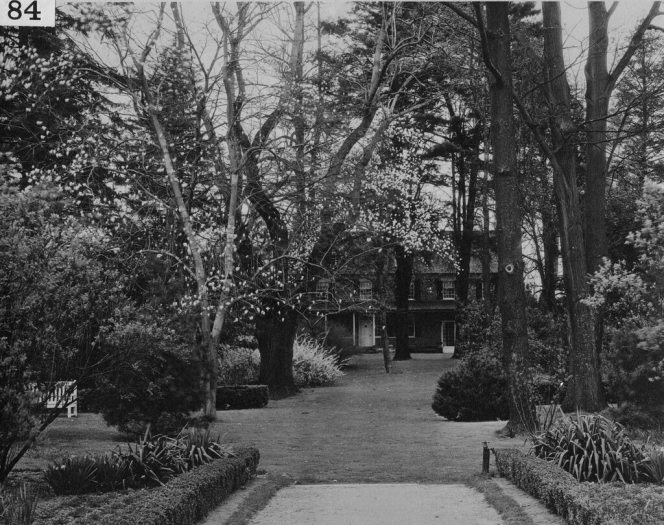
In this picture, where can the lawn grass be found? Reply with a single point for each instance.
(85, 434)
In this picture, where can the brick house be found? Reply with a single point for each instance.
(351, 305)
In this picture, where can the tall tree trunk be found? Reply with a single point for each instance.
(511, 292)
(275, 333)
(597, 107)
(403, 276)
(599, 87)
(551, 254)
(584, 390)
(381, 263)
(467, 233)
(486, 246)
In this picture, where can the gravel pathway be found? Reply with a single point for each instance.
(370, 428)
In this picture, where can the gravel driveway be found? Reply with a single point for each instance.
(371, 427)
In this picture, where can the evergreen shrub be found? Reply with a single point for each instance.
(239, 397)
(477, 390)
(474, 391)
(238, 365)
(154, 380)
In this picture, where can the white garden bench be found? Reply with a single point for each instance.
(58, 397)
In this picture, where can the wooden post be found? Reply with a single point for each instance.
(486, 458)
(354, 340)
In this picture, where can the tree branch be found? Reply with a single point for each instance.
(634, 44)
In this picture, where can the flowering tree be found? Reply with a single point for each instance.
(401, 209)
(633, 301)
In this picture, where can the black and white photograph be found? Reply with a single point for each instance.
(331, 263)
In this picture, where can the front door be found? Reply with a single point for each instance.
(366, 331)
(447, 336)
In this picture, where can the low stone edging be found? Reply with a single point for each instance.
(582, 503)
(182, 501)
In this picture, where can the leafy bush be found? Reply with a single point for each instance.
(199, 447)
(153, 460)
(75, 475)
(313, 364)
(154, 379)
(113, 473)
(57, 291)
(478, 330)
(238, 365)
(17, 506)
(630, 296)
(477, 389)
(474, 391)
(636, 416)
(653, 467)
(593, 448)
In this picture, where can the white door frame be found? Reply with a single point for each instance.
(362, 331)
(447, 349)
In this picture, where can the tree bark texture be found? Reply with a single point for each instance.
(584, 389)
(511, 292)
(551, 254)
(597, 107)
(403, 276)
(275, 333)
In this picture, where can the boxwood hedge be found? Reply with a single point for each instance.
(182, 501)
(238, 397)
(582, 503)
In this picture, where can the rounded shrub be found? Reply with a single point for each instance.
(474, 391)
(238, 365)
(154, 381)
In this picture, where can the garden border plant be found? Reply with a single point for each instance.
(183, 500)
(581, 503)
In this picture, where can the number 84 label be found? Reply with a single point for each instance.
(27, 13)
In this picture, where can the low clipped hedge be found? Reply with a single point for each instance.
(182, 501)
(239, 397)
(582, 503)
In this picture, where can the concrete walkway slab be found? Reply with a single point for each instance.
(378, 504)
